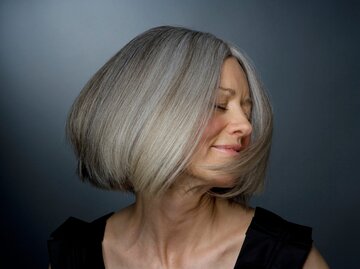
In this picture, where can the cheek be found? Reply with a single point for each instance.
(204, 156)
(208, 137)
(213, 128)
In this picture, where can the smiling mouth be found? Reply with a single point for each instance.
(229, 150)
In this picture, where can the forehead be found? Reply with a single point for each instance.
(233, 79)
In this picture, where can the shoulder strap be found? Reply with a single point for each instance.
(272, 242)
(77, 244)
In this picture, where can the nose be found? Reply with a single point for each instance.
(239, 125)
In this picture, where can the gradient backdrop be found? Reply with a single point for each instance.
(307, 53)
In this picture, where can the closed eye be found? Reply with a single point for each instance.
(221, 107)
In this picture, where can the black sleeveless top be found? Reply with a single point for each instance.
(270, 242)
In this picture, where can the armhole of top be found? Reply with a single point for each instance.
(272, 242)
(77, 244)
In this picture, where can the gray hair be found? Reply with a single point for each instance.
(136, 123)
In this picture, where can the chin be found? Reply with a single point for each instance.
(224, 183)
(210, 178)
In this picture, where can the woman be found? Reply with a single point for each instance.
(179, 118)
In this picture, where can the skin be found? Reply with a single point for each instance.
(186, 228)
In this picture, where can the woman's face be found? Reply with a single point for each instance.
(229, 129)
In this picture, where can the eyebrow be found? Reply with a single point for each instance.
(231, 91)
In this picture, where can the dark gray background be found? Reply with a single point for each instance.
(307, 53)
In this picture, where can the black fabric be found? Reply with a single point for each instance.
(77, 244)
(270, 243)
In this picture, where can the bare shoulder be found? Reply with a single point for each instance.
(315, 260)
(240, 211)
(236, 220)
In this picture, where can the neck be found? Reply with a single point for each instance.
(177, 223)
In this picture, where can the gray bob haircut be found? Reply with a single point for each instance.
(137, 122)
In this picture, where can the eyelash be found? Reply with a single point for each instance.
(221, 107)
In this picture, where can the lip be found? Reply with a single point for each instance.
(228, 149)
